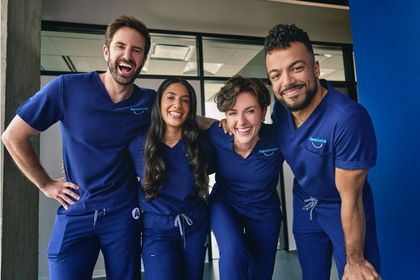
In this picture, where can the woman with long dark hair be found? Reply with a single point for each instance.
(172, 169)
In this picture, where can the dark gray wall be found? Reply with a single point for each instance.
(19, 232)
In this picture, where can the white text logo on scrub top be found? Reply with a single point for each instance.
(139, 110)
(268, 152)
(317, 142)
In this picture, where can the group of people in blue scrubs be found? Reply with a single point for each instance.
(137, 163)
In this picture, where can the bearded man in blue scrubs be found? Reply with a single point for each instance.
(99, 114)
(329, 142)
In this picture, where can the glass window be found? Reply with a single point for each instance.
(71, 52)
(224, 58)
(79, 52)
(331, 62)
(210, 90)
(172, 55)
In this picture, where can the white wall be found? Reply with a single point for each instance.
(237, 17)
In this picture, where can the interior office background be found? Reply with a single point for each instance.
(381, 47)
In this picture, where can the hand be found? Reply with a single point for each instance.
(361, 270)
(60, 190)
(223, 124)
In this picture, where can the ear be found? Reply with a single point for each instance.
(105, 50)
(263, 113)
(317, 69)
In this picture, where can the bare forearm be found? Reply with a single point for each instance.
(353, 221)
(350, 186)
(26, 159)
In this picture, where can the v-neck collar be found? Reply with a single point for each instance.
(108, 99)
(228, 143)
(315, 112)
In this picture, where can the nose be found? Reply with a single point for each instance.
(177, 103)
(242, 119)
(127, 54)
(287, 79)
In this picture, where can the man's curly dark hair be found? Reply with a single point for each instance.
(281, 35)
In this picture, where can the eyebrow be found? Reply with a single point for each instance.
(122, 43)
(247, 108)
(174, 93)
(290, 65)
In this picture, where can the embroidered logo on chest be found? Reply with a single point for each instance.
(139, 110)
(268, 152)
(317, 143)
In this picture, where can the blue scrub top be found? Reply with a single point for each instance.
(248, 185)
(339, 133)
(95, 133)
(177, 194)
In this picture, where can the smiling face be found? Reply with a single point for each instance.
(293, 74)
(175, 105)
(244, 119)
(125, 55)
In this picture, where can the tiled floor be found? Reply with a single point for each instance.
(287, 267)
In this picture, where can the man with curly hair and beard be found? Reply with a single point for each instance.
(329, 142)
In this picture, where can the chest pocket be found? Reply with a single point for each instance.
(318, 146)
(138, 120)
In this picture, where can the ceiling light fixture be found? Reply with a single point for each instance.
(209, 68)
(170, 52)
(313, 4)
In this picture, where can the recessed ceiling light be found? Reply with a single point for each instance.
(313, 4)
(170, 52)
(209, 68)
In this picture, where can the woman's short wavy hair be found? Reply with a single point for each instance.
(226, 97)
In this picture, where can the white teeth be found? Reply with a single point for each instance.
(292, 91)
(243, 130)
(175, 114)
(125, 65)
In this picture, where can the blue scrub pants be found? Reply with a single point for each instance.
(174, 246)
(77, 238)
(247, 246)
(320, 238)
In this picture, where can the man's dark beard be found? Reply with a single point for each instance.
(113, 70)
(310, 94)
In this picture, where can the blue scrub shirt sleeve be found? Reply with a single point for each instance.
(355, 144)
(44, 108)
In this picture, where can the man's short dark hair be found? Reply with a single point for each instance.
(281, 35)
(131, 22)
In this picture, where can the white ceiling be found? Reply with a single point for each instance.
(236, 17)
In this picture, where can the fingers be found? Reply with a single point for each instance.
(70, 193)
(71, 185)
(62, 202)
(62, 191)
(223, 124)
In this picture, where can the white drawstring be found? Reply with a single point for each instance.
(179, 222)
(310, 205)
